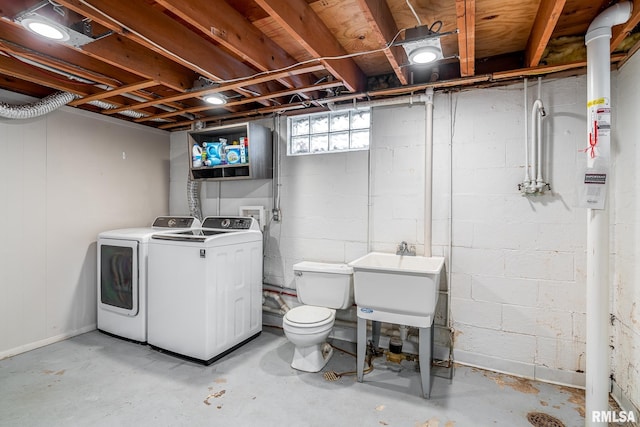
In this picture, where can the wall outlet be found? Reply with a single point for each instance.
(255, 212)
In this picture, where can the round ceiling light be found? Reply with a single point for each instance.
(215, 99)
(45, 29)
(424, 55)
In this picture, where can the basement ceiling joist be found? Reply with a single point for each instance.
(152, 61)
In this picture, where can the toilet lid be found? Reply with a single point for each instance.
(308, 314)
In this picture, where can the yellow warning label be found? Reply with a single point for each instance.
(597, 101)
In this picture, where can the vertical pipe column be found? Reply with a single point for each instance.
(597, 358)
(428, 172)
(599, 92)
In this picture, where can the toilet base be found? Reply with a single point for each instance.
(312, 358)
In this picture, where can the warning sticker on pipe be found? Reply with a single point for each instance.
(599, 129)
(595, 178)
(593, 191)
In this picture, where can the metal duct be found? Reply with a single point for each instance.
(53, 102)
(36, 109)
(108, 106)
(193, 198)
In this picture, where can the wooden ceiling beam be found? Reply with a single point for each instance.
(466, 21)
(111, 93)
(384, 28)
(16, 68)
(288, 92)
(134, 58)
(222, 23)
(620, 32)
(109, 61)
(549, 13)
(223, 87)
(162, 34)
(301, 23)
(66, 58)
(247, 113)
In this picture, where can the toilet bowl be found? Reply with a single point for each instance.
(307, 327)
(323, 288)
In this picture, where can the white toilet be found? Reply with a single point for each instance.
(323, 288)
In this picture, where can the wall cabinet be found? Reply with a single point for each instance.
(257, 160)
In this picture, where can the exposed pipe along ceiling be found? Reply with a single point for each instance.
(450, 40)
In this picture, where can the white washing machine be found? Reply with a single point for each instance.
(206, 298)
(123, 276)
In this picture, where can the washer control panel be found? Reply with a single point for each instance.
(230, 223)
(176, 222)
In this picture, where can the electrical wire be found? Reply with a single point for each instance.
(414, 12)
(239, 79)
(312, 60)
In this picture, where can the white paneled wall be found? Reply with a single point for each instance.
(64, 178)
(626, 231)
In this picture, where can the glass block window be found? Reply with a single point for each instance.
(329, 132)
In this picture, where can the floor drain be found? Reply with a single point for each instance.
(540, 419)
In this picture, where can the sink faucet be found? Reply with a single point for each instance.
(404, 249)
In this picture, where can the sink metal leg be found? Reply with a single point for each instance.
(362, 348)
(424, 357)
(375, 333)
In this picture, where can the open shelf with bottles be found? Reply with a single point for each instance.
(248, 148)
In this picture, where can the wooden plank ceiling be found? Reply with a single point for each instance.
(153, 61)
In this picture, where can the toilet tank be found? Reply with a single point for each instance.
(324, 285)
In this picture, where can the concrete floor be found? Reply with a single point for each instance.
(97, 380)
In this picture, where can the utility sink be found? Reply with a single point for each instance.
(397, 284)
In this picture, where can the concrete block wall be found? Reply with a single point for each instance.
(517, 276)
(323, 211)
(515, 268)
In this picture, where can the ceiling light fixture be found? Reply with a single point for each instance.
(422, 45)
(424, 54)
(215, 99)
(45, 28)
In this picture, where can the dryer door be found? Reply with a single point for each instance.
(118, 277)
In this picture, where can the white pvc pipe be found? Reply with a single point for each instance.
(597, 357)
(428, 172)
(527, 177)
(400, 100)
(539, 180)
(284, 308)
(536, 128)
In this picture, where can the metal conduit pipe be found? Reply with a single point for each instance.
(599, 94)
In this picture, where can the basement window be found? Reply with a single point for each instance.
(329, 132)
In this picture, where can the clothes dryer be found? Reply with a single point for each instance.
(123, 276)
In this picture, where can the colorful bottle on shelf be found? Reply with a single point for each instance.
(245, 143)
(196, 156)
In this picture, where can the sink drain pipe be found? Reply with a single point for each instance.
(598, 156)
(428, 172)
